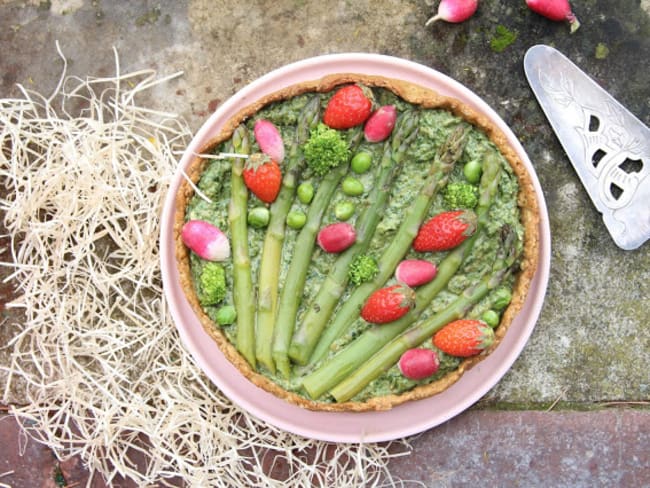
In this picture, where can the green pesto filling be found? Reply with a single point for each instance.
(434, 127)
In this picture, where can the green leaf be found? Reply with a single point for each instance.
(502, 38)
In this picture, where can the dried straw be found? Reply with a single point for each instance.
(86, 171)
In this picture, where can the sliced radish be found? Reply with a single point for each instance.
(337, 237)
(415, 272)
(380, 124)
(206, 240)
(269, 139)
(417, 364)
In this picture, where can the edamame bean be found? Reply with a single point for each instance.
(472, 171)
(296, 219)
(352, 187)
(226, 315)
(258, 217)
(305, 192)
(361, 162)
(491, 318)
(344, 210)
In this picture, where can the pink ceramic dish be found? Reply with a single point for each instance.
(407, 419)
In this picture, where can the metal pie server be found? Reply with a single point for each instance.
(607, 145)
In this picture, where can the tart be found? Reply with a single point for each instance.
(297, 330)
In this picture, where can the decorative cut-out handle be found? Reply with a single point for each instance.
(608, 146)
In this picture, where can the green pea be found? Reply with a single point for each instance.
(344, 210)
(501, 298)
(361, 162)
(226, 315)
(305, 192)
(296, 219)
(491, 318)
(258, 217)
(472, 171)
(352, 187)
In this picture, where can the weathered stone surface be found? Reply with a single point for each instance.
(482, 448)
(487, 448)
(591, 341)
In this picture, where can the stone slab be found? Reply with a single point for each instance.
(533, 448)
(478, 448)
(591, 342)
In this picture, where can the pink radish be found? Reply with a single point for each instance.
(454, 11)
(336, 237)
(417, 364)
(380, 124)
(557, 10)
(415, 272)
(207, 241)
(269, 139)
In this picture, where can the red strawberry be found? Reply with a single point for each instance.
(349, 106)
(263, 177)
(388, 304)
(445, 231)
(464, 337)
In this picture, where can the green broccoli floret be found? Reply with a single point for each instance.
(211, 285)
(363, 268)
(461, 195)
(325, 149)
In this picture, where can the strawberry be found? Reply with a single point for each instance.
(388, 304)
(263, 177)
(349, 106)
(464, 338)
(445, 231)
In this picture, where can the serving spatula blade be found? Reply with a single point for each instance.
(607, 145)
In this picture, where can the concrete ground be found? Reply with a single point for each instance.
(587, 358)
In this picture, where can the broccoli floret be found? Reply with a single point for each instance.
(362, 269)
(211, 285)
(461, 195)
(325, 149)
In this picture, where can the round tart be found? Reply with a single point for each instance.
(361, 189)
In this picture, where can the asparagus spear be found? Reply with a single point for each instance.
(449, 153)
(388, 355)
(356, 353)
(321, 307)
(269, 271)
(294, 284)
(242, 281)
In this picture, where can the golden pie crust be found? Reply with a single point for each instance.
(416, 95)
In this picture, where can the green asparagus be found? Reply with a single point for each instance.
(242, 280)
(269, 271)
(321, 307)
(388, 355)
(450, 151)
(355, 354)
(292, 289)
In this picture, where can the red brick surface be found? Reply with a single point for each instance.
(26, 463)
(608, 448)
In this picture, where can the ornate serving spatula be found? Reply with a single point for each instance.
(607, 145)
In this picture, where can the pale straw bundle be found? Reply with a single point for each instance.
(86, 171)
